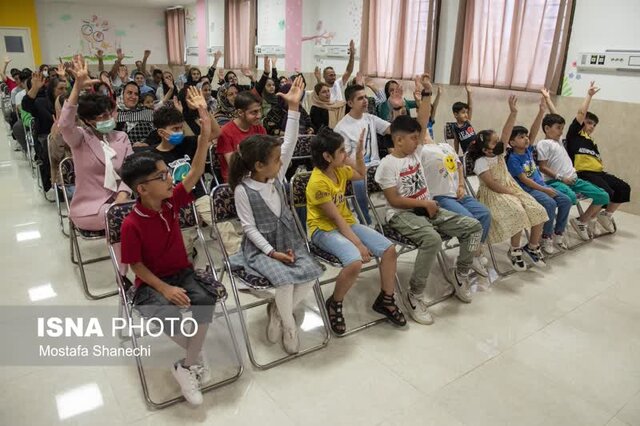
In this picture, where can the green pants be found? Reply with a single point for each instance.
(425, 233)
(598, 196)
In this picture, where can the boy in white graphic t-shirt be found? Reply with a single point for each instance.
(414, 214)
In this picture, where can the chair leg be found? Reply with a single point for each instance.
(75, 248)
(247, 339)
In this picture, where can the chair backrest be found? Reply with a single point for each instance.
(298, 189)
(223, 205)
(117, 212)
(449, 133)
(372, 186)
(66, 171)
(303, 147)
(469, 164)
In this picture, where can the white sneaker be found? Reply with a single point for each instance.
(274, 326)
(479, 265)
(547, 245)
(605, 219)
(290, 340)
(463, 292)
(591, 227)
(515, 254)
(187, 378)
(418, 309)
(203, 369)
(581, 229)
(561, 241)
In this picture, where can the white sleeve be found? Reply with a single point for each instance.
(481, 166)
(348, 143)
(245, 214)
(542, 148)
(380, 124)
(385, 175)
(290, 140)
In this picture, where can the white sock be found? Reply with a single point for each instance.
(284, 303)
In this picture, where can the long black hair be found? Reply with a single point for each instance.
(477, 147)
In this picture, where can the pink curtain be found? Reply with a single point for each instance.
(398, 37)
(175, 35)
(240, 33)
(514, 44)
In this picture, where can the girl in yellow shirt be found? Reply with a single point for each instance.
(333, 228)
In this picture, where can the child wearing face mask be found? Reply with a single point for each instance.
(512, 209)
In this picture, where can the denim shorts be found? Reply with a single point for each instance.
(338, 245)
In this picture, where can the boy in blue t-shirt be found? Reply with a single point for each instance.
(522, 166)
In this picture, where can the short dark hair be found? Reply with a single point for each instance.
(226, 76)
(91, 105)
(325, 141)
(350, 91)
(591, 116)
(25, 74)
(387, 87)
(318, 87)
(517, 131)
(14, 72)
(138, 166)
(131, 83)
(405, 124)
(551, 119)
(137, 73)
(459, 106)
(244, 100)
(326, 69)
(157, 71)
(166, 116)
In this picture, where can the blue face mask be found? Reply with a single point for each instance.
(176, 138)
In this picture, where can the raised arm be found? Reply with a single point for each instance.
(359, 166)
(511, 120)
(292, 98)
(3, 73)
(116, 64)
(143, 66)
(349, 70)
(469, 100)
(37, 83)
(535, 126)
(196, 101)
(212, 69)
(317, 74)
(548, 101)
(424, 87)
(100, 57)
(264, 77)
(436, 101)
(67, 122)
(582, 112)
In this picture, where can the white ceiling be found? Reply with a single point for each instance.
(137, 3)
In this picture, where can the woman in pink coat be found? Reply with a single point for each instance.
(98, 152)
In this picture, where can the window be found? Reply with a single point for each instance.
(398, 37)
(13, 44)
(514, 44)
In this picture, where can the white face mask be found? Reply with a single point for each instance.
(45, 73)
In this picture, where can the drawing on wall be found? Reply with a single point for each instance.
(94, 33)
(321, 36)
(567, 80)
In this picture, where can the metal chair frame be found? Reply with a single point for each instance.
(126, 310)
(225, 191)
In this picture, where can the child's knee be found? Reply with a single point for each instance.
(600, 198)
(352, 269)
(390, 253)
(430, 240)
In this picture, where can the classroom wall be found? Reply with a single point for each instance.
(69, 28)
(23, 16)
(598, 26)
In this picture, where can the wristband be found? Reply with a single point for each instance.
(558, 176)
(425, 93)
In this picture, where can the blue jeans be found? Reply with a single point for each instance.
(470, 207)
(339, 246)
(360, 191)
(562, 203)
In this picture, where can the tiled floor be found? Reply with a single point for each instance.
(559, 346)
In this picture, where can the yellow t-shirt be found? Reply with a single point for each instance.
(321, 189)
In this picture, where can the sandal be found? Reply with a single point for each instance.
(385, 304)
(336, 320)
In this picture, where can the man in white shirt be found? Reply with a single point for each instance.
(330, 76)
(350, 128)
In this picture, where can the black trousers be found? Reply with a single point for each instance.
(619, 191)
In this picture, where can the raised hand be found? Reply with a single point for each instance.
(293, 96)
(359, 78)
(7, 60)
(360, 146)
(195, 99)
(119, 54)
(352, 48)
(267, 65)
(317, 74)
(513, 101)
(81, 72)
(217, 55)
(147, 53)
(37, 81)
(100, 54)
(220, 74)
(61, 69)
(468, 89)
(177, 104)
(274, 60)
(247, 72)
(593, 89)
(168, 80)
(419, 87)
(545, 93)
(425, 80)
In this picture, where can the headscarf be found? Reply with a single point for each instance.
(336, 110)
(225, 109)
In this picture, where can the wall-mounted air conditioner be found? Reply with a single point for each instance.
(193, 50)
(331, 51)
(609, 61)
(268, 50)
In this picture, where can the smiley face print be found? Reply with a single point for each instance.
(450, 163)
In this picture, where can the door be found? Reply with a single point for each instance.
(15, 43)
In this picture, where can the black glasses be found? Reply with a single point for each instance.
(163, 177)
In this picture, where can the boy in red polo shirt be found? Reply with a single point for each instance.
(246, 124)
(152, 245)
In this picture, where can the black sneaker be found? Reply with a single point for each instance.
(536, 256)
(516, 259)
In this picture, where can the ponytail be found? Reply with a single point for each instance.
(237, 170)
(476, 149)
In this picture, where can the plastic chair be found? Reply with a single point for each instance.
(223, 209)
(114, 217)
(68, 179)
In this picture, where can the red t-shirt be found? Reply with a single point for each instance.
(154, 238)
(11, 84)
(230, 137)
